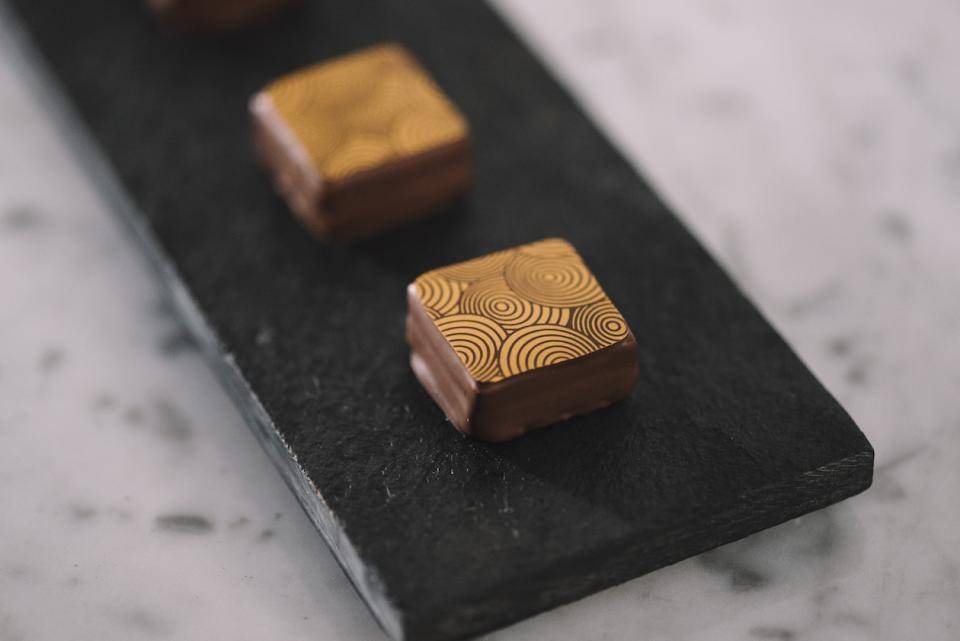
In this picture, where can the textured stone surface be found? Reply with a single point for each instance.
(729, 434)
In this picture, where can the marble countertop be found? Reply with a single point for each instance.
(814, 148)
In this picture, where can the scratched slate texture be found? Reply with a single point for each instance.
(727, 432)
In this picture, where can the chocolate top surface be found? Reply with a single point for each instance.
(364, 109)
(520, 309)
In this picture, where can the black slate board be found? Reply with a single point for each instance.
(727, 432)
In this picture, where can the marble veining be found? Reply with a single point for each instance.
(814, 148)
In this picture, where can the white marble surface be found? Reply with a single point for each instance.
(815, 149)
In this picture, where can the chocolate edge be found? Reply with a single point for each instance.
(454, 390)
(446, 169)
(616, 365)
(288, 162)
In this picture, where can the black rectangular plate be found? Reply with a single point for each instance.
(727, 432)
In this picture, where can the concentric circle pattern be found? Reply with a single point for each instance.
(439, 294)
(491, 297)
(418, 131)
(600, 320)
(358, 154)
(540, 346)
(379, 96)
(549, 248)
(560, 281)
(477, 341)
(477, 268)
(521, 309)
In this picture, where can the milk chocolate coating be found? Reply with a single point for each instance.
(506, 409)
(215, 15)
(360, 205)
(346, 176)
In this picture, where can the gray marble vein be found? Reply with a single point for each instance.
(813, 147)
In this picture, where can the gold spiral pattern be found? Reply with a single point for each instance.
(418, 131)
(438, 294)
(477, 268)
(541, 346)
(600, 320)
(552, 280)
(520, 309)
(492, 298)
(361, 110)
(356, 155)
(549, 248)
(476, 341)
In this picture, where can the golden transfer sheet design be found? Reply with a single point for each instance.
(361, 110)
(520, 309)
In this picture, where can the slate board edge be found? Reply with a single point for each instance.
(635, 557)
(97, 166)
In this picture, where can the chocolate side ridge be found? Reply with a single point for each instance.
(437, 366)
(398, 192)
(292, 172)
(509, 408)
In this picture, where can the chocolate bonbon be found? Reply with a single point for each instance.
(518, 339)
(362, 143)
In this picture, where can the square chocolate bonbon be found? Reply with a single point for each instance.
(518, 339)
(362, 143)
